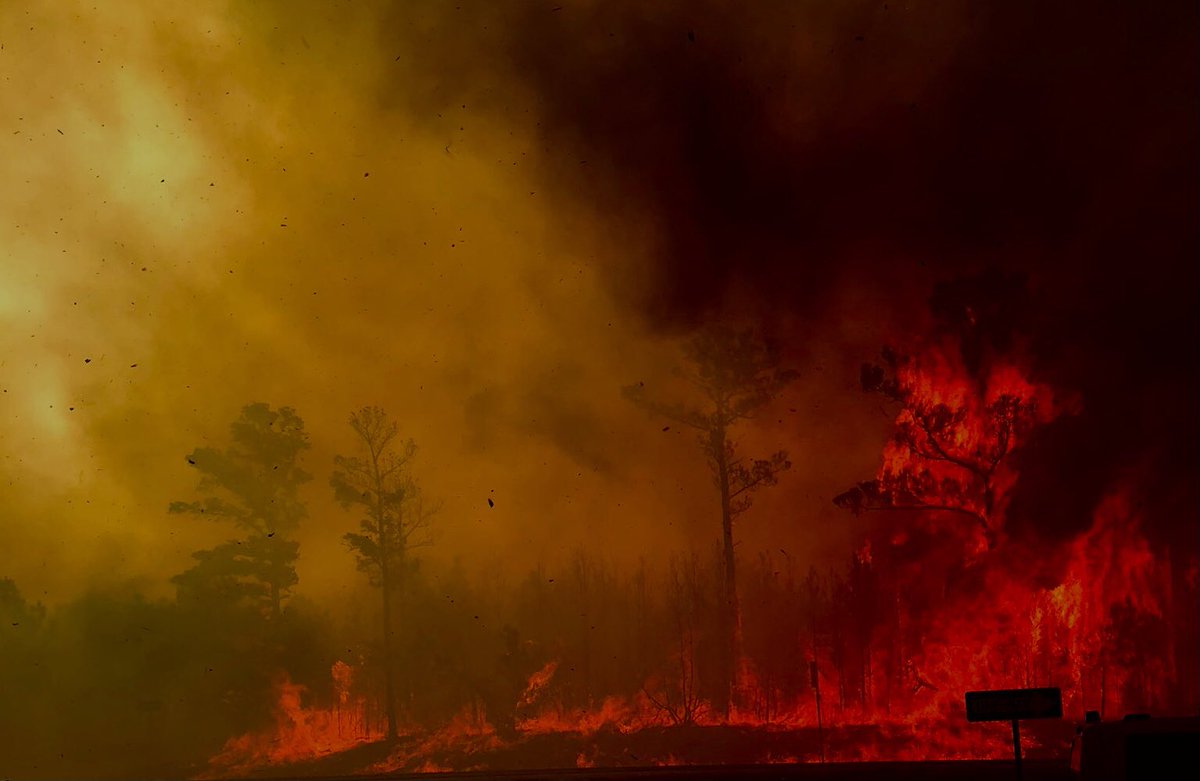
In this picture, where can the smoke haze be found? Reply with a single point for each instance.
(489, 218)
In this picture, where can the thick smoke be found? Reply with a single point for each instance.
(768, 157)
(488, 217)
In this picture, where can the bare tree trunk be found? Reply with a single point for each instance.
(389, 683)
(733, 616)
(385, 586)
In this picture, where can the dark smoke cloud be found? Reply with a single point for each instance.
(772, 154)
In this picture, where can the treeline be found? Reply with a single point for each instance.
(116, 678)
(938, 600)
(113, 684)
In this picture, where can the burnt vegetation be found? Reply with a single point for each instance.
(1032, 517)
(236, 672)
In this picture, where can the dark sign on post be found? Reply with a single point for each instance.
(1014, 704)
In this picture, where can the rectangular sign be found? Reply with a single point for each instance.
(1014, 704)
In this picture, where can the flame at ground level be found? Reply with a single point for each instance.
(1100, 629)
(453, 749)
(301, 733)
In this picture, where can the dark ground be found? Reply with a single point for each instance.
(1040, 770)
(698, 752)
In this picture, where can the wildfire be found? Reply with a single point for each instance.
(537, 682)
(1069, 635)
(949, 456)
(972, 609)
(301, 732)
(935, 601)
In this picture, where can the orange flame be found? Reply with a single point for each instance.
(1089, 615)
(300, 732)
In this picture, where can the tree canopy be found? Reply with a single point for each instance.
(253, 485)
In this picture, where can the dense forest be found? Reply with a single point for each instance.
(940, 597)
(399, 386)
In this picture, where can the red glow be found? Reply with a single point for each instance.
(938, 599)
(301, 732)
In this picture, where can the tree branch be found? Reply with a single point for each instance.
(942, 454)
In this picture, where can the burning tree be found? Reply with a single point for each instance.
(970, 604)
(735, 372)
(952, 437)
(397, 519)
(965, 408)
(254, 485)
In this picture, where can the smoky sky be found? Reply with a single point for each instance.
(759, 144)
(488, 217)
(775, 153)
